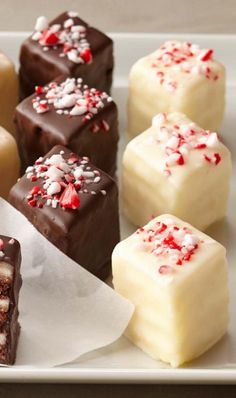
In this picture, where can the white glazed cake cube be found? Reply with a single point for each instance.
(9, 162)
(178, 77)
(176, 167)
(8, 93)
(177, 279)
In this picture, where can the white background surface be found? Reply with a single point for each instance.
(196, 16)
(116, 15)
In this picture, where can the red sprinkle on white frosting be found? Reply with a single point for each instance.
(72, 98)
(69, 36)
(64, 181)
(181, 139)
(174, 57)
(168, 242)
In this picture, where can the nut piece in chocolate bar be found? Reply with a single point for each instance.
(10, 284)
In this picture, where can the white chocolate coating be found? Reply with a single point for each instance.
(9, 162)
(155, 181)
(175, 305)
(8, 93)
(161, 84)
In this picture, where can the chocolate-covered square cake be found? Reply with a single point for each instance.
(10, 283)
(66, 46)
(67, 112)
(74, 205)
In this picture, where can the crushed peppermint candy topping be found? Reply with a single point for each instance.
(72, 98)
(181, 139)
(166, 240)
(64, 181)
(70, 37)
(184, 57)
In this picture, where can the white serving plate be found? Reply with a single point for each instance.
(121, 362)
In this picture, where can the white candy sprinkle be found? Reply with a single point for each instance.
(54, 173)
(78, 110)
(212, 141)
(56, 160)
(191, 239)
(41, 24)
(172, 159)
(36, 36)
(54, 188)
(158, 119)
(73, 14)
(68, 23)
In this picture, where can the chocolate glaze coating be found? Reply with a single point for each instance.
(37, 133)
(88, 234)
(11, 327)
(38, 67)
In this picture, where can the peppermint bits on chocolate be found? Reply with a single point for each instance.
(60, 181)
(73, 98)
(69, 36)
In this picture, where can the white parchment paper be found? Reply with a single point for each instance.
(64, 310)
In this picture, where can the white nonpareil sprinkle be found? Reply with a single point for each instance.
(54, 188)
(41, 24)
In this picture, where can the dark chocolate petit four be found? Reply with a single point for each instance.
(67, 112)
(66, 46)
(74, 205)
(10, 283)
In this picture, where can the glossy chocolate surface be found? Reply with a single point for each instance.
(9, 321)
(87, 234)
(38, 67)
(37, 133)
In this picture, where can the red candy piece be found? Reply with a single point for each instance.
(86, 55)
(200, 146)
(70, 198)
(217, 158)
(49, 38)
(38, 89)
(180, 161)
(165, 269)
(207, 55)
(1, 244)
(35, 190)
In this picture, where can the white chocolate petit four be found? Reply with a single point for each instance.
(177, 279)
(177, 77)
(8, 93)
(176, 167)
(9, 162)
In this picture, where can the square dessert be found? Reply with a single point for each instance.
(74, 205)
(66, 46)
(178, 77)
(9, 162)
(177, 279)
(10, 284)
(9, 92)
(67, 112)
(176, 167)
